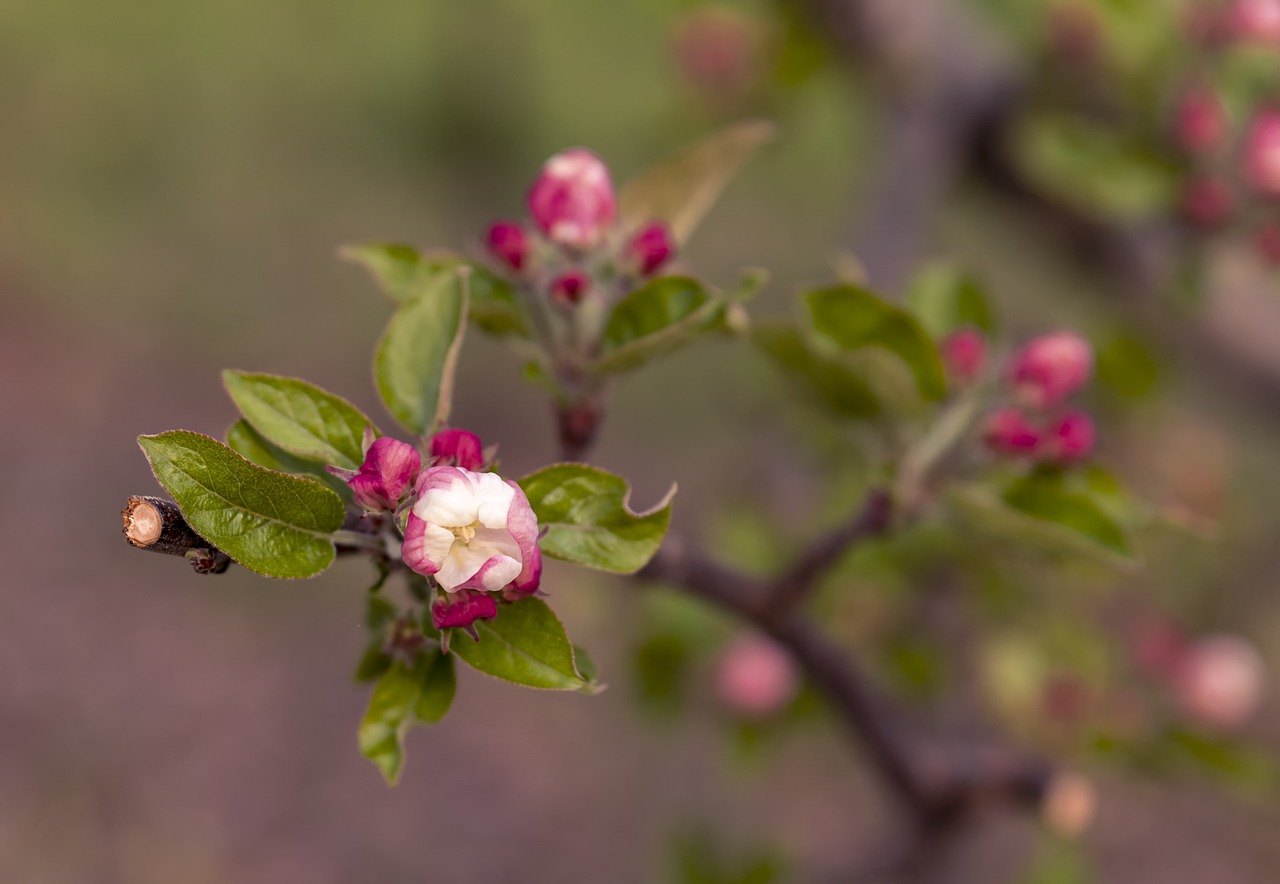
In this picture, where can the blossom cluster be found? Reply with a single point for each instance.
(469, 530)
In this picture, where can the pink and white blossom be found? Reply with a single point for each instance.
(389, 469)
(1050, 368)
(572, 200)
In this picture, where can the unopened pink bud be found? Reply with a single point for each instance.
(457, 448)
(1220, 681)
(1257, 20)
(1050, 368)
(389, 469)
(1200, 120)
(1071, 438)
(572, 200)
(1262, 152)
(649, 249)
(1206, 202)
(508, 242)
(569, 287)
(756, 677)
(462, 608)
(964, 352)
(1008, 431)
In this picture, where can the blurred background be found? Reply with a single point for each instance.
(176, 178)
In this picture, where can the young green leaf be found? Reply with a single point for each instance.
(584, 512)
(398, 269)
(380, 614)
(853, 317)
(681, 189)
(439, 685)
(303, 419)
(1043, 496)
(404, 693)
(525, 644)
(944, 299)
(272, 523)
(415, 359)
(664, 314)
(834, 384)
(244, 440)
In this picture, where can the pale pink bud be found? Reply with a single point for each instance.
(1200, 120)
(473, 531)
(1220, 681)
(457, 448)
(1256, 20)
(1071, 438)
(1206, 202)
(756, 677)
(1262, 153)
(569, 287)
(649, 249)
(508, 242)
(964, 352)
(572, 200)
(463, 608)
(1050, 368)
(389, 469)
(1008, 431)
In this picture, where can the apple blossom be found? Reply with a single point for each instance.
(1262, 153)
(475, 531)
(509, 243)
(1070, 438)
(389, 469)
(457, 448)
(650, 248)
(756, 677)
(1050, 368)
(1007, 431)
(462, 608)
(572, 200)
(1220, 681)
(1257, 20)
(568, 288)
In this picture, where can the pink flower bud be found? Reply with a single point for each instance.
(508, 242)
(389, 469)
(462, 608)
(1008, 431)
(1206, 202)
(572, 200)
(457, 448)
(964, 352)
(1071, 438)
(1200, 121)
(756, 677)
(649, 249)
(1220, 681)
(569, 287)
(1050, 368)
(718, 50)
(1262, 153)
(1257, 20)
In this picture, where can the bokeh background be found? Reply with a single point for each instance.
(175, 179)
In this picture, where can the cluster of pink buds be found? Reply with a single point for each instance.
(471, 531)
(574, 240)
(1037, 424)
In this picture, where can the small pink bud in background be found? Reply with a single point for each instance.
(1200, 121)
(569, 287)
(508, 242)
(1206, 202)
(1257, 20)
(572, 200)
(755, 677)
(1071, 438)
(457, 448)
(964, 352)
(462, 608)
(389, 469)
(718, 52)
(1050, 368)
(1220, 681)
(1262, 153)
(1159, 647)
(649, 249)
(1008, 431)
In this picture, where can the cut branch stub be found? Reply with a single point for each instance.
(156, 524)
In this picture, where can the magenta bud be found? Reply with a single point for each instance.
(651, 247)
(1008, 431)
(389, 469)
(1071, 439)
(1206, 202)
(755, 677)
(462, 608)
(1262, 153)
(964, 352)
(572, 200)
(508, 243)
(457, 448)
(569, 287)
(1256, 20)
(1200, 121)
(1050, 368)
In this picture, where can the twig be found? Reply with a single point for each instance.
(155, 524)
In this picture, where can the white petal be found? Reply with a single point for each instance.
(436, 543)
(453, 506)
(493, 500)
(496, 542)
(461, 565)
(501, 573)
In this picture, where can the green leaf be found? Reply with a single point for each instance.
(303, 419)
(834, 384)
(380, 614)
(496, 306)
(276, 524)
(585, 515)
(1042, 495)
(664, 314)
(398, 269)
(438, 688)
(244, 440)
(422, 691)
(944, 299)
(525, 644)
(416, 357)
(681, 189)
(853, 317)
